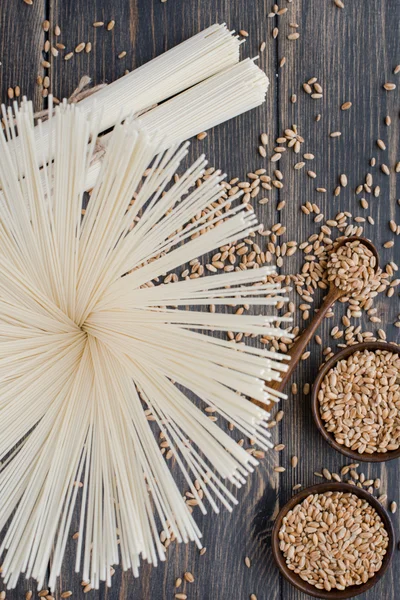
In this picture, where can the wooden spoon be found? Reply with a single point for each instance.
(297, 349)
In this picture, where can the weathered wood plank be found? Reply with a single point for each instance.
(21, 44)
(144, 31)
(76, 24)
(352, 52)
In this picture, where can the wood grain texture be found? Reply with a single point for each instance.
(21, 44)
(335, 46)
(352, 52)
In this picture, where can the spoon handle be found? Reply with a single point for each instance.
(299, 346)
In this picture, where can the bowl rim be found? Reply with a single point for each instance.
(344, 353)
(302, 585)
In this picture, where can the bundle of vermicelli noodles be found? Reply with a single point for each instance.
(227, 94)
(89, 346)
(187, 89)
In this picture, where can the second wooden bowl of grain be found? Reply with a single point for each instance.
(315, 403)
(294, 579)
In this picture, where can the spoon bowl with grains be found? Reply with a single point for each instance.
(356, 401)
(352, 267)
(333, 540)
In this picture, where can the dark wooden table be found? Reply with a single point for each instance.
(352, 51)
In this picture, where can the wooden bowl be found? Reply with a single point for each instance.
(329, 437)
(307, 588)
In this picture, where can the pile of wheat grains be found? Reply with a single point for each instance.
(359, 401)
(333, 540)
(352, 269)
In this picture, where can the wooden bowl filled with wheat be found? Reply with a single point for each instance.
(333, 540)
(356, 401)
